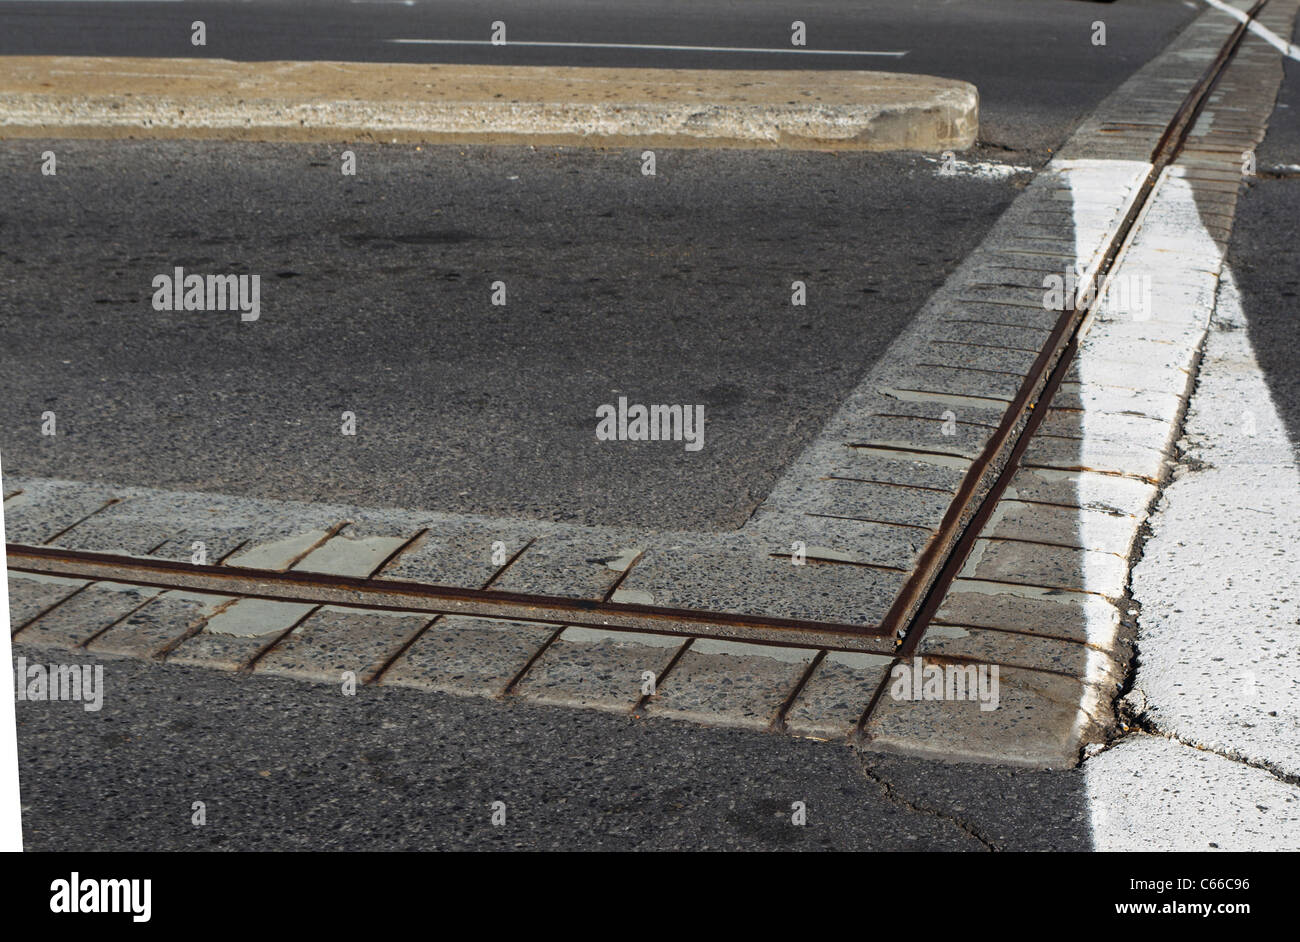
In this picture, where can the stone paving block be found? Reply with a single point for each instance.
(595, 668)
(85, 614)
(31, 593)
(1053, 567)
(887, 503)
(333, 640)
(986, 417)
(168, 525)
(729, 683)
(952, 381)
(159, 625)
(1077, 616)
(468, 655)
(1139, 430)
(1032, 652)
(1180, 341)
(581, 563)
(44, 508)
(1095, 454)
(737, 576)
(947, 392)
(896, 467)
(1041, 721)
(369, 538)
(1067, 526)
(999, 336)
(1154, 404)
(836, 538)
(835, 696)
(982, 358)
(237, 634)
(1101, 368)
(1107, 493)
(461, 553)
(279, 554)
(1027, 301)
(347, 555)
(916, 432)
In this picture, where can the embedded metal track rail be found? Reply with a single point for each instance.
(976, 500)
(394, 595)
(900, 631)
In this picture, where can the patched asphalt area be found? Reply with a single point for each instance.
(376, 299)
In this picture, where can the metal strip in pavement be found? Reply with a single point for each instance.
(392, 595)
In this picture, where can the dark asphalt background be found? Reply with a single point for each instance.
(1033, 61)
(376, 300)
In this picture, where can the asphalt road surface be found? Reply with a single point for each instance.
(376, 299)
(283, 765)
(1033, 61)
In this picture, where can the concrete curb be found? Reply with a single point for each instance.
(44, 96)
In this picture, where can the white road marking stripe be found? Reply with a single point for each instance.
(578, 45)
(1263, 32)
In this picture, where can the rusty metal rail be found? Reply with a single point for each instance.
(991, 473)
(395, 595)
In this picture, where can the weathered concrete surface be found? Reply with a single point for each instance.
(1151, 793)
(100, 97)
(1218, 581)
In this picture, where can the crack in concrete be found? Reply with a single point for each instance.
(1143, 723)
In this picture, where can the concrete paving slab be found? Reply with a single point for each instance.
(1052, 567)
(534, 104)
(1143, 791)
(1040, 721)
(729, 683)
(85, 614)
(232, 638)
(468, 655)
(164, 622)
(332, 641)
(1220, 601)
(1076, 616)
(30, 594)
(45, 508)
(602, 669)
(836, 695)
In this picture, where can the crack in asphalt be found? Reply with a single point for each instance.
(893, 795)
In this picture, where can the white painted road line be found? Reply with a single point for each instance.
(655, 46)
(1259, 29)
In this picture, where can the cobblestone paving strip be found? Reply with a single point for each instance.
(1045, 583)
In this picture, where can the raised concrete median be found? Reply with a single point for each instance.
(56, 96)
